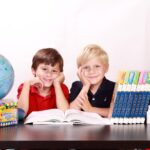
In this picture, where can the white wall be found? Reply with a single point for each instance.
(121, 27)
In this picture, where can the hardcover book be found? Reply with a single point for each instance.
(132, 99)
(70, 116)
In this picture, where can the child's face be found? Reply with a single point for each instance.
(94, 70)
(47, 73)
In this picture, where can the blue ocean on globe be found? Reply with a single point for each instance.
(6, 76)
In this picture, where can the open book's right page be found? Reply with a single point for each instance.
(82, 117)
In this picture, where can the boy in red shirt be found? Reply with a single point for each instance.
(46, 89)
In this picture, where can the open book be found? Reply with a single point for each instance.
(70, 116)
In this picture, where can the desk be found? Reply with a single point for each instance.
(68, 136)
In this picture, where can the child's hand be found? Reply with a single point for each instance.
(76, 104)
(82, 77)
(86, 106)
(59, 79)
(79, 101)
(36, 82)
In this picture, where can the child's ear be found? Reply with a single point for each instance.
(33, 71)
(106, 68)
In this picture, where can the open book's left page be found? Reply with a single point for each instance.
(51, 115)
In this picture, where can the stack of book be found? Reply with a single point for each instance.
(132, 97)
(8, 114)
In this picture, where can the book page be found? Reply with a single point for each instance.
(83, 117)
(51, 115)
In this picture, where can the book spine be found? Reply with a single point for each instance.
(135, 99)
(128, 95)
(124, 98)
(118, 93)
(130, 104)
(116, 106)
(128, 108)
(120, 107)
(124, 107)
(114, 114)
(134, 106)
(141, 97)
(139, 107)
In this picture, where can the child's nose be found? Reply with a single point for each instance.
(49, 73)
(92, 70)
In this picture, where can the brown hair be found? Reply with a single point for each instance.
(47, 56)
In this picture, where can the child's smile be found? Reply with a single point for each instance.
(47, 73)
(47, 82)
(94, 70)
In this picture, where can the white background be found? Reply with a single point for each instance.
(121, 27)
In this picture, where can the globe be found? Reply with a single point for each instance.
(6, 76)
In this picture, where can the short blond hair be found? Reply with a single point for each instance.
(92, 51)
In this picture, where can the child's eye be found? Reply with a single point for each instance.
(86, 68)
(45, 69)
(97, 66)
(54, 71)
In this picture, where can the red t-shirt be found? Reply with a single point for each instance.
(38, 102)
